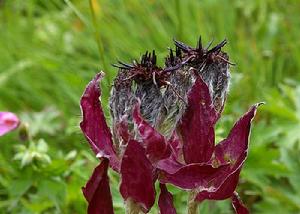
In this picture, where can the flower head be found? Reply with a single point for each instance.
(163, 128)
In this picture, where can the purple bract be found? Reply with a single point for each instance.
(166, 136)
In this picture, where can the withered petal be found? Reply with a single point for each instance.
(223, 192)
(196, 128)
(165, 201)
(94, 125)
(156, 147)
(192, 176)
(137, 176)
(97, 191)
(232, 150)
(238, 205)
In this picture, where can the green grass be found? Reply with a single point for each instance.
(49, 50)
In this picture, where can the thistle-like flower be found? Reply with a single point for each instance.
(163, 124)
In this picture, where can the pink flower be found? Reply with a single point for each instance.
(8, 122)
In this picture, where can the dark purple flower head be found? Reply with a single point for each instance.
(163, 128)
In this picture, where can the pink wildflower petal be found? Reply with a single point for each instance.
(156, 148)
(94, 125)
(97, 191)
(238, 205)
(8, 122)
(197, 125)
(165, 201)
(137, 179)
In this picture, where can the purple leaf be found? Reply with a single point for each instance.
(197, 125)
(156, 148)
(165, 201)
(8, 122)
(137, 177)
(97, 191)
(94, 125)
(238, 205)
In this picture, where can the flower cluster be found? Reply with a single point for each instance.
(163, 129)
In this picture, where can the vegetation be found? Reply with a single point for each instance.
(50, 50)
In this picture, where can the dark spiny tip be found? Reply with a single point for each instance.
(182, 46)
(209, 44)
(199, 44)
(178, 52)
(218, 47)
(125, 64)
(153, 58)
(171, 55)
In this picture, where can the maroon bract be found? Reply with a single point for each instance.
(165, 201)
(238, 205)
(97, 191)
(196, 127)
(94, 125)
(137, 176)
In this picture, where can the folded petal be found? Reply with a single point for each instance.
(238, 205)
(196, 128)
(232, 150)
(97, 191)
(165, 201)
(94, 125)
(156, 147)
(8, 122)
(192, 176)
(223, 192)
(137, 176)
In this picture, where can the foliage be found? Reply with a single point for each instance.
(49, 50)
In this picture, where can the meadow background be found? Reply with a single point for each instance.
(50, 49)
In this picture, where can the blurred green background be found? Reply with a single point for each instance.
(50, 49)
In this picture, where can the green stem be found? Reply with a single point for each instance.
(179, 19)
(192, 204)
(98, 38)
